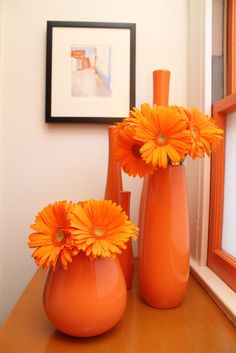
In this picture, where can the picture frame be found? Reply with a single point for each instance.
(90, 71)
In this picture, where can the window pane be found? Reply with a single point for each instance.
(229, 214)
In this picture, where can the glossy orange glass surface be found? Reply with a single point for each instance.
(161, 81)
(126, 257)
(164, 244)
(88, 298)
(114, 178)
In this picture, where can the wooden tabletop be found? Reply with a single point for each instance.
(197, 326)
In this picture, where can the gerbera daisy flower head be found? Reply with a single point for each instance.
(165, 136)
(137, 114)
(205, 134)
(101, 228)
(134, 117)
(128, 153)
(51, 237)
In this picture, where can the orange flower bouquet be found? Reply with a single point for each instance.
(154, 142)
(85, 291)
(159, 136)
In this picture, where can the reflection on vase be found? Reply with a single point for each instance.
(88, 298)
(126, 257)
(164, 244)
(114, 178)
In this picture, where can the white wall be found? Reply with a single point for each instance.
(42, 163)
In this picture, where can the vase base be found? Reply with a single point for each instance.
(163, 307)
(88, 334)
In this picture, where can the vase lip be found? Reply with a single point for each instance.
(170, 166)
(164, 71)
(124, 192)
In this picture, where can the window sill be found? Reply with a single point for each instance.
(223, 295)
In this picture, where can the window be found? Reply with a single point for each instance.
(221, 249)
(222, 262)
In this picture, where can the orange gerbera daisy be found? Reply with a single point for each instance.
(128, 153)
(134, 117)
(164, 134)
(206, 136)
(137, 115)
(52, 238)
(101, 228)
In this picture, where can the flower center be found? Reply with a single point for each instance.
(99, 232)
(195, 131)
(59, 236)
(161, 140)
(135, 151)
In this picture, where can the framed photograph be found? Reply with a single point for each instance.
(90, 71)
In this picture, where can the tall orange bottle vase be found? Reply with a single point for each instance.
(88, 298)
(126, 257)
(114, 177)
(164, 245)
(161, 82)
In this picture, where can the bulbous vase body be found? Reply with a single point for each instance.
(88, 298)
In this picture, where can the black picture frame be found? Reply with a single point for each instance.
(72, 92)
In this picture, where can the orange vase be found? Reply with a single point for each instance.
(88, 298)
(164, 245)
(126, 257)
(161, 82)
(114, 178)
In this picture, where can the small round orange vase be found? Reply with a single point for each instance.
(88, 298)
(164, 245)
(126, 258)
(114, 177)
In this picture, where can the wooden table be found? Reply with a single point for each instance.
(197, 326)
